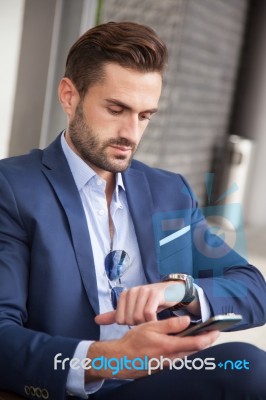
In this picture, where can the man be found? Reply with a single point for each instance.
(80, 222)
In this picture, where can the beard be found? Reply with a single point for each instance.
(94, 151)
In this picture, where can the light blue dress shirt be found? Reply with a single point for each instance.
(92, 192)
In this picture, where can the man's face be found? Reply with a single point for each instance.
(108, 124)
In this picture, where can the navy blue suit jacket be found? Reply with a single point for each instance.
(48, 289)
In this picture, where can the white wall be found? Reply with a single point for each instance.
(257, 191)
(11, 22)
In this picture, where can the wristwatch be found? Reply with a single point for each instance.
(190, 291)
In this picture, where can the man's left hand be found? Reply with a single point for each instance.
(141, 304)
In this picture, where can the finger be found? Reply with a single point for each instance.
(121, 315)
(172, 325)
(153, 306)
(106, 318)
(142, 311)
(134, 306)
(174, 345)
(212, 336)
(194, 343)
(131, 305)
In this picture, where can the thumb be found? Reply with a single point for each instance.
(105, 318)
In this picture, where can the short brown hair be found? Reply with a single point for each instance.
(128, 44)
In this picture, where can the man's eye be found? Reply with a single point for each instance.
(115, 111)
(145, 116)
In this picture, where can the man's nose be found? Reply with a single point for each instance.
(130, 127)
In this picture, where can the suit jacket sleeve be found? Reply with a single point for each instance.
(229, 282)
(26, 356)
(184, 243)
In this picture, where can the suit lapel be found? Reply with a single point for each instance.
(57, 171)
(141, 206)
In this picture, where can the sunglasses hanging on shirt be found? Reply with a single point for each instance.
(116, 264)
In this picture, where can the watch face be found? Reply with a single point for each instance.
(189, 289)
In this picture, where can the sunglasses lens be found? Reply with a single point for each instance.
(115, 293)
(116, 263)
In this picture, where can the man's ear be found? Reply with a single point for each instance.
(68, 96)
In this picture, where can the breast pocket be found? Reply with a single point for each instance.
(176, 252)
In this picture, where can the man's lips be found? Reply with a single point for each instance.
(123, 149)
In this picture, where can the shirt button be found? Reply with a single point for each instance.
(101, 212)
(99, 182)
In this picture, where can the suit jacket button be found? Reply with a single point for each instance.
(27, 390)
(45, 394)
(38, 392)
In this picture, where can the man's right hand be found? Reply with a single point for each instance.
(151, 339)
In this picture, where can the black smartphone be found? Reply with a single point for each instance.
(216, 323)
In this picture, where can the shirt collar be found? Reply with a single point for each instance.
(82, 172)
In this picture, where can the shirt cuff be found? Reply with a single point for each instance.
(205, 310)
(76, 385)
